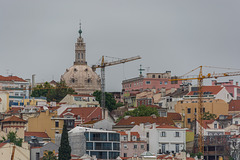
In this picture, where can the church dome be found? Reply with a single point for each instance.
(80, 76)
(82, 79)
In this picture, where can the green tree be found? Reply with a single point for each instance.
(209, 116)
(110, 102)
(12, 137)
(49, 155)
(142, 111)
(64, 151)
(52, 93)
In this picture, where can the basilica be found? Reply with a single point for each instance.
(80, 76)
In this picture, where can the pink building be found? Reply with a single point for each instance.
(131, 145)
(234, 90)
(151, 81)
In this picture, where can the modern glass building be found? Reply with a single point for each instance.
(103, 144)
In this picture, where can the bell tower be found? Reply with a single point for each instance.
(80, 50)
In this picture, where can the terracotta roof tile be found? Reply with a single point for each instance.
(82, 95)
(13, 119)
(2, 144)
(12, 78)
(212, 89)
(14, 110)
(234, 105)
(150, 119)
(206, 122)
(122, 133)
(135, 134)
(37, 134)
(167, 126)
(175, 116)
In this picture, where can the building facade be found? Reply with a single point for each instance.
(167, 139)
(102, 144)
(81, 100)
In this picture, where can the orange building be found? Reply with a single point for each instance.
(188, 109)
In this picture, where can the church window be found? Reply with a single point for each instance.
(78, 55)
(82, 55)
(73, 80)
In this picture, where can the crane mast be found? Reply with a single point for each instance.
(200, 78)
(106, 64)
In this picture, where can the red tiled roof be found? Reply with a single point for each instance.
(92, 122)
(206, 122)
(149, 119)
(229, 117)
(122, 133)
(154, 106)
(2, 144)
(13, 119)
(167, 126)
(227, 133)
(37, 134)
(12, 78)
(135, 134)
(82, 95)
(213, 89)
(236, 136)
(234, 105)
(174, 116)
(14, 110)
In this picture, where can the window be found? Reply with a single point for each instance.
(163, 134)
(56, 124)
(177, 134)
(203, 110)
(82, 55)
(195, 110)
(147, 134)
(189, 110)
(153, 76)
(124, 138)
(148, 82)
(103, 146)
(160, 82)
(78, 55)
(116, 146)
(236, 122)
(177, 148)
(142, 146)
(125, 146)
(163, 148)
(134, 146)
(165, 82)
(124, 154)
(215, 125)
(37, 156)
(189, 120)
(89, 146)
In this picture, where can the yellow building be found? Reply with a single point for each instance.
(47, 122)
(188, 109)
(34, 101)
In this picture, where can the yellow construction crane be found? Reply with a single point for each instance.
(106, 64)
(200, 78)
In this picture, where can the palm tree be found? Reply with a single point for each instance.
(49, 156)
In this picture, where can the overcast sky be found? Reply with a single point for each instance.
(37, 37)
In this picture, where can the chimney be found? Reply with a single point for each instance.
(129, 135)
(142, 126)
(214, 82)
(236, 83)
(33, 80)
(163, 91)
(231, 81)
(154, 126)
(172, 90)
(154, 116)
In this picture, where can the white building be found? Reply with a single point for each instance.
(167, 139)
(103, 144)
(81, 100)
(17, 88)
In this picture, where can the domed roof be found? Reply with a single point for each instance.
(82, 79)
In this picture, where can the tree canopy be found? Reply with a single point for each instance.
(110, 102)
(49, 155)
(209, 116)
(12, 137)
(64, 151)
(52, 93)
(142, 111)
